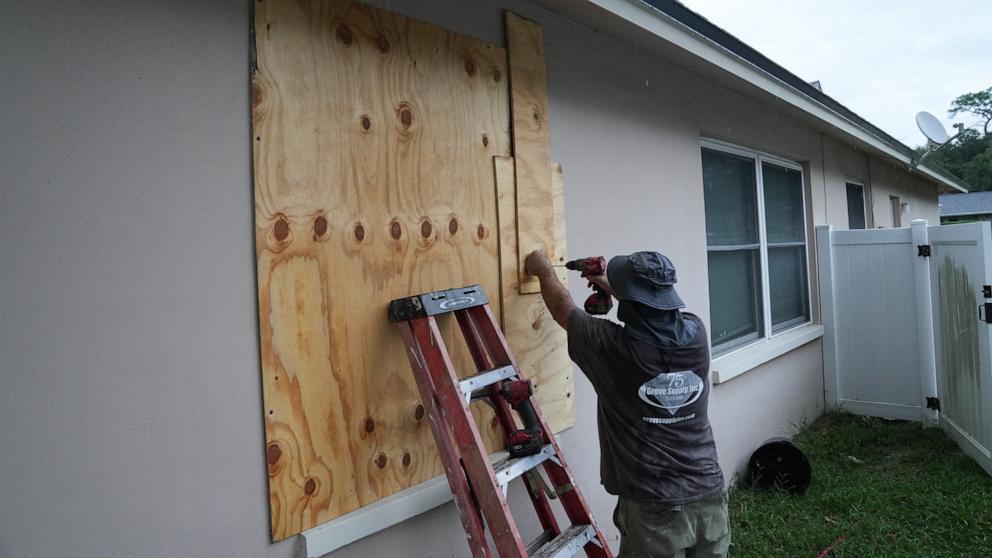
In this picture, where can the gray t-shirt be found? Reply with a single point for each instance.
(654, 432)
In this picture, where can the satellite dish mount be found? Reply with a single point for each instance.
(935, 133)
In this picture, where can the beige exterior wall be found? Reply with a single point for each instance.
(887, 181)
(131, 389)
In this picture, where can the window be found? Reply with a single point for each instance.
(855, 206)
(756, 245)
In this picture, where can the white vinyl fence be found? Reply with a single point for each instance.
(875, 312)
(907, 317)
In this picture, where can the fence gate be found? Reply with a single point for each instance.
(907, 334)
(961, 275)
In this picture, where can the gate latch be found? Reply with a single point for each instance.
(985, 312)
(923, 250)
(987, 291)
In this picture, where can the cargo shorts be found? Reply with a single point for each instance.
(656, 530)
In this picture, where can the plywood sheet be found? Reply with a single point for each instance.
(373, 143)
(538, 343)
(531, 142)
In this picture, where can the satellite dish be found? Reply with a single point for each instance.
(932, 128)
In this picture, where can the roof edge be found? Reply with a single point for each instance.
(677, 24)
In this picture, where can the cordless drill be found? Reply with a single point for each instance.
(530, 439)
(599, 302)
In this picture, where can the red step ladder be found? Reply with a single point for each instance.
(480, 486)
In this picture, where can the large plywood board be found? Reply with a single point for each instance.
(539, 344)
(531, 142)
(373, 143)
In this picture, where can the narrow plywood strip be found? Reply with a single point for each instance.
(538, 343)
(373, 142)
(531, 142)
(558, 217)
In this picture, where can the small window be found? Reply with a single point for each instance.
(855, 206)
(756, 245)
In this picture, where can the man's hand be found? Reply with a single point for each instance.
(538, 264)
(555, 295)
(602, 282)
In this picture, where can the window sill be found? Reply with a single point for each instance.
(729, 366)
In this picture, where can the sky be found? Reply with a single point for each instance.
(884, 59)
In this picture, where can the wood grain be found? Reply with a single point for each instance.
(538, 343)
(531, 142)
(373, 143)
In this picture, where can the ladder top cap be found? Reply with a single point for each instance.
(436, 303)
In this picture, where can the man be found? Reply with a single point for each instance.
(651, 377)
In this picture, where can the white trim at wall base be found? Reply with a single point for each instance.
(734, 364)
(374, 517)
(369, 520)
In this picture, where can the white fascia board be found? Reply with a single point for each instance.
(661, 25)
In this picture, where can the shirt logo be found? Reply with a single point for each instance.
(672, 390)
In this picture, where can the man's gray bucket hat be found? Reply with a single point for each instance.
(645, 277)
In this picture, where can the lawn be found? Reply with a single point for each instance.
(880, 488)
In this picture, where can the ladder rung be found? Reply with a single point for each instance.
(567, 543)
(484, 379)
(512, 467)
(541, 540)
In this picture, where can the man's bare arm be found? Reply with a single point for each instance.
(556, 296)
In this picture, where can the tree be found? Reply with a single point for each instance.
(969, 156)
(979, 104)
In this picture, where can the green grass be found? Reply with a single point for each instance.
(880, 488)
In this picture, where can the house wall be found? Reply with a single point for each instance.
(130, 414)
(844, 163)
(888, 180)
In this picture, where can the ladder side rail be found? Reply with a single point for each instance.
(576, 507)
(483, 361)
(476, 346)
(455, 410)
(483, 357)
(468, 509)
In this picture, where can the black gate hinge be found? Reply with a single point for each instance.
(923, 250)
(987, 291)
(933, 403)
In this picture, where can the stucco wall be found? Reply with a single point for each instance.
(844, 163)
(130, 413)
(888, 180)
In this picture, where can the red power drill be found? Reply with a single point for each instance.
(599, 302)
(530, 440)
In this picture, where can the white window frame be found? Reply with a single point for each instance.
(765, 335)
(864, 198)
